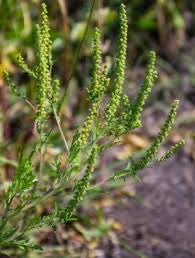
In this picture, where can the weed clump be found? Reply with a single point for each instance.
(95, 135)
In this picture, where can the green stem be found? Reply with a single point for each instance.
(4, 218)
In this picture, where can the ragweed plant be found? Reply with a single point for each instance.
(98, 133)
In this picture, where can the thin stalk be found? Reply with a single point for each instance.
(30, 104)
(77, 56)
(60, 130)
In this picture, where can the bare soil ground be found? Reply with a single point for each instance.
(162, 224)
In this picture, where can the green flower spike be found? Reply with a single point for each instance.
(120, 70)
(154, 147)
(172, 151)
(95, 89)
(85, 131)
(100, 83)
(150, 77)
(44, 76)
(21, 63)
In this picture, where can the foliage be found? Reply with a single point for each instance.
(98, 133)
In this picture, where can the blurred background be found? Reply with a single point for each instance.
(153, 218)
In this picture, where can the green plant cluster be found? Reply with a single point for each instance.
(106, 121)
